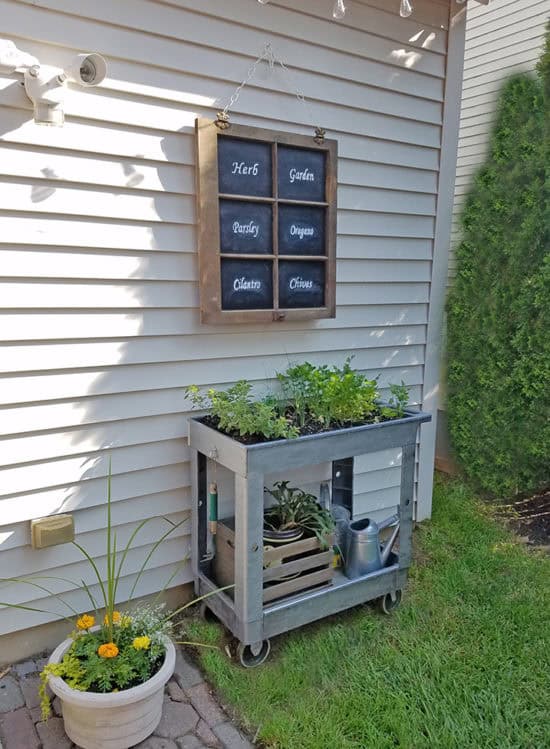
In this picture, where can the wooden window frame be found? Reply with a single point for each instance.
(208, 198)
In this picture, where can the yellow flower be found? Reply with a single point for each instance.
(108, 650)
(125, 621)
(85, 622)
(141, 643)
(116, 618)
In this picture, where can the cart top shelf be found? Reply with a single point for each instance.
(270, 457)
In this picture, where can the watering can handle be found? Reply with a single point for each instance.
(392, 520)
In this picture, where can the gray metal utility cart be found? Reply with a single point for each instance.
(245, 610)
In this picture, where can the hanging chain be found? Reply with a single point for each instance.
(269, 56)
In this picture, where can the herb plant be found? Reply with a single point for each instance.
(295, 508)
(235, 411)
(312, 399)
(397, 402)
(330, 396)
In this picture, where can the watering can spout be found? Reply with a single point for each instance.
(388, 546)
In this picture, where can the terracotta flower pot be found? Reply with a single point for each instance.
(115, 720)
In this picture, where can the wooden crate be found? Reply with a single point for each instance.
(304, 556)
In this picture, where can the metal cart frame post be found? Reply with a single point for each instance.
(244, 613)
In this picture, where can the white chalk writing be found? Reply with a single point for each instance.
(245, 284)
(248, 228)
(299, 283)
(301, 231)
(304, 176)
(241, 167)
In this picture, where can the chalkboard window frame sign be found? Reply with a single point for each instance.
(245, 160)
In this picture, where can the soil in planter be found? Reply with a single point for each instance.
(530, 517)
(311, 427)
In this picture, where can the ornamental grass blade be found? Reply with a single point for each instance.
(28, 581)
(155, 547)
(196, 600)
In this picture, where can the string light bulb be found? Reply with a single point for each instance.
(405, 9)
(339, 10)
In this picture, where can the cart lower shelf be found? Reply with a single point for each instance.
(306, 607)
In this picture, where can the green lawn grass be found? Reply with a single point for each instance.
(463, 663)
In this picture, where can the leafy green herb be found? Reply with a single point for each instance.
(295, 508)
(330, 396)
(397, 402)
(236, 411)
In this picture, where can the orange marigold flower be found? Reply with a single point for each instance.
(85, 621)
(108, 650)
(141, 643)
(116, 618)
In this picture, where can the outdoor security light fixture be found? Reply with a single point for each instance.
(45, 85)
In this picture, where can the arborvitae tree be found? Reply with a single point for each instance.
(498, 309)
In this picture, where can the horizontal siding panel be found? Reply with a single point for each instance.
(17, 196)
(64, 471)
(85, 264)
(139, 508)
(54, 167)
(95, 410)
(377, 461)
(109, 436)
(385, 225)
(371, 174)
(102, 139)
(391, 248)
(244, 27)
(12, 620)
(58, 231)
(383, 293)
(37, 357)
(128, 294)
(83, 440)
(30, 326)
(126, 110)
(377, 479)
(67, 556)
(122, 379)
(502, 16)
(388, 201)
(353, 271)
(368, 503)
(92, 493)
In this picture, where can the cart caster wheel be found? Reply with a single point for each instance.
(390, 602)
(249, 659)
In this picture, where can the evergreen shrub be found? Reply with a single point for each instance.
(498, 310)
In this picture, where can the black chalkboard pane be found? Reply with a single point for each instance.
(244, 167)
(301, 284)
(301, 230)
(301, 173)
(246, 227)
(247, 284)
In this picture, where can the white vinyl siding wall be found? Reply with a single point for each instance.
(99, 302)
(502, 39)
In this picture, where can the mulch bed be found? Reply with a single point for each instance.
(530, 517)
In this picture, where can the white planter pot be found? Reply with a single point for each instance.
(115, 720)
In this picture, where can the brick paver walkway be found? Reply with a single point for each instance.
(191, 718)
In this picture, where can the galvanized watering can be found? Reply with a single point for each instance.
(364, 552)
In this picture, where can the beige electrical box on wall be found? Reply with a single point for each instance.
(51, 531)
